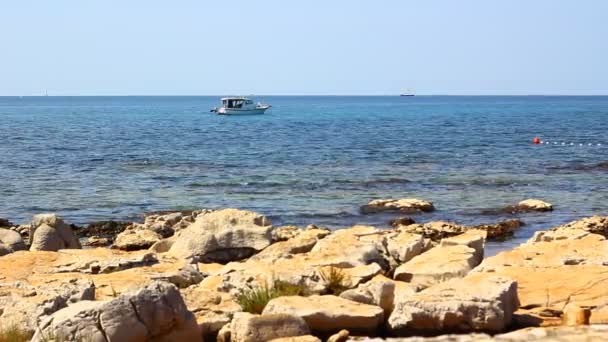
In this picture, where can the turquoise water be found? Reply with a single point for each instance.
(310, 160)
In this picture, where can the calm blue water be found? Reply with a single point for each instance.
(310, 160)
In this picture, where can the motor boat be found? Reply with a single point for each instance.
(240, 105)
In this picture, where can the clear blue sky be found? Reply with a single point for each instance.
(303, 47)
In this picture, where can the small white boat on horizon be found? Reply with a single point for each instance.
(240, 105)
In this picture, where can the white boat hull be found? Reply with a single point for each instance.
(244, 111)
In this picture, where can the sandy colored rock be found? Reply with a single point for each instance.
(553, 273)
(473, 238)
(10, 241)
(474, 303)
(404, 246)
(358, 252)
(246, 327)
(435, 230)
(500, 230)
(380, 291)
(340, 336)
(48, 232)
(404, 205)
(328, 313)
(438, 265)
(358, 245)
(213, 309)
(302, 242)
(133, 240)
(593, 224)
(534, 205)
(155, 312)
(305, 338)
(574, 315)
(36, 284)
(223, 235)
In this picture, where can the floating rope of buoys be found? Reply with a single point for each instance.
(538, 141)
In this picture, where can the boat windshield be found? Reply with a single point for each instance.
(233, 103)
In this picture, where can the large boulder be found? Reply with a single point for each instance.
(471, 238)
(379, 291)
(156, 312)
(10, 241)
(534, 205)
(133, 240)
(223, 236)
(475, 303)
(434, 230)
(329, 314)
(404, 246)
(594, 224)
(404, 205)
(246, 327)
(556, 268)
(48, 232)
(438, 265)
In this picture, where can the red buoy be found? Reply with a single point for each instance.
(536, 141)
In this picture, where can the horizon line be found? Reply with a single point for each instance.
(310, 95)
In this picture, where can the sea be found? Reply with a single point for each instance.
(309, 160)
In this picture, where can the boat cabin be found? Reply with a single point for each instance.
(236, 102)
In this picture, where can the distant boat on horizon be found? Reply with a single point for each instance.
(408, 92)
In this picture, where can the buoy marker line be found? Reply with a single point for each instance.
(538, 141)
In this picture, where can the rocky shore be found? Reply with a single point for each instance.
(230, 275)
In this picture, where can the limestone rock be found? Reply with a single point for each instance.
(438, 265)
(380, 291)
(222, 236)
(594, 224)
(357, 252)
(435, 230)
(404, 246)
(302, 242)
(156, 312)
(285, 233)
(305, 338)
(96, 241)
(213, 309)
(557, 334)
(10, 241)
(246, 327)
(501, 230)
(358, 245)
(133, 240)
(544, 271)
(328, 314)
(471, 238)
(475, 303)
(404, 205)
(534, 205)
(28, 305)
(187, 276)
(340, 336)
(48, 232)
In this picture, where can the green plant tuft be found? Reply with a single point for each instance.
(255, 300)
(14, 333)
(334, 279)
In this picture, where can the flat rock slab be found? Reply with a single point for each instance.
(404, 205)
(438, 265)
(475, 303)
(329, 314)
(552, 272)
(246, 327)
